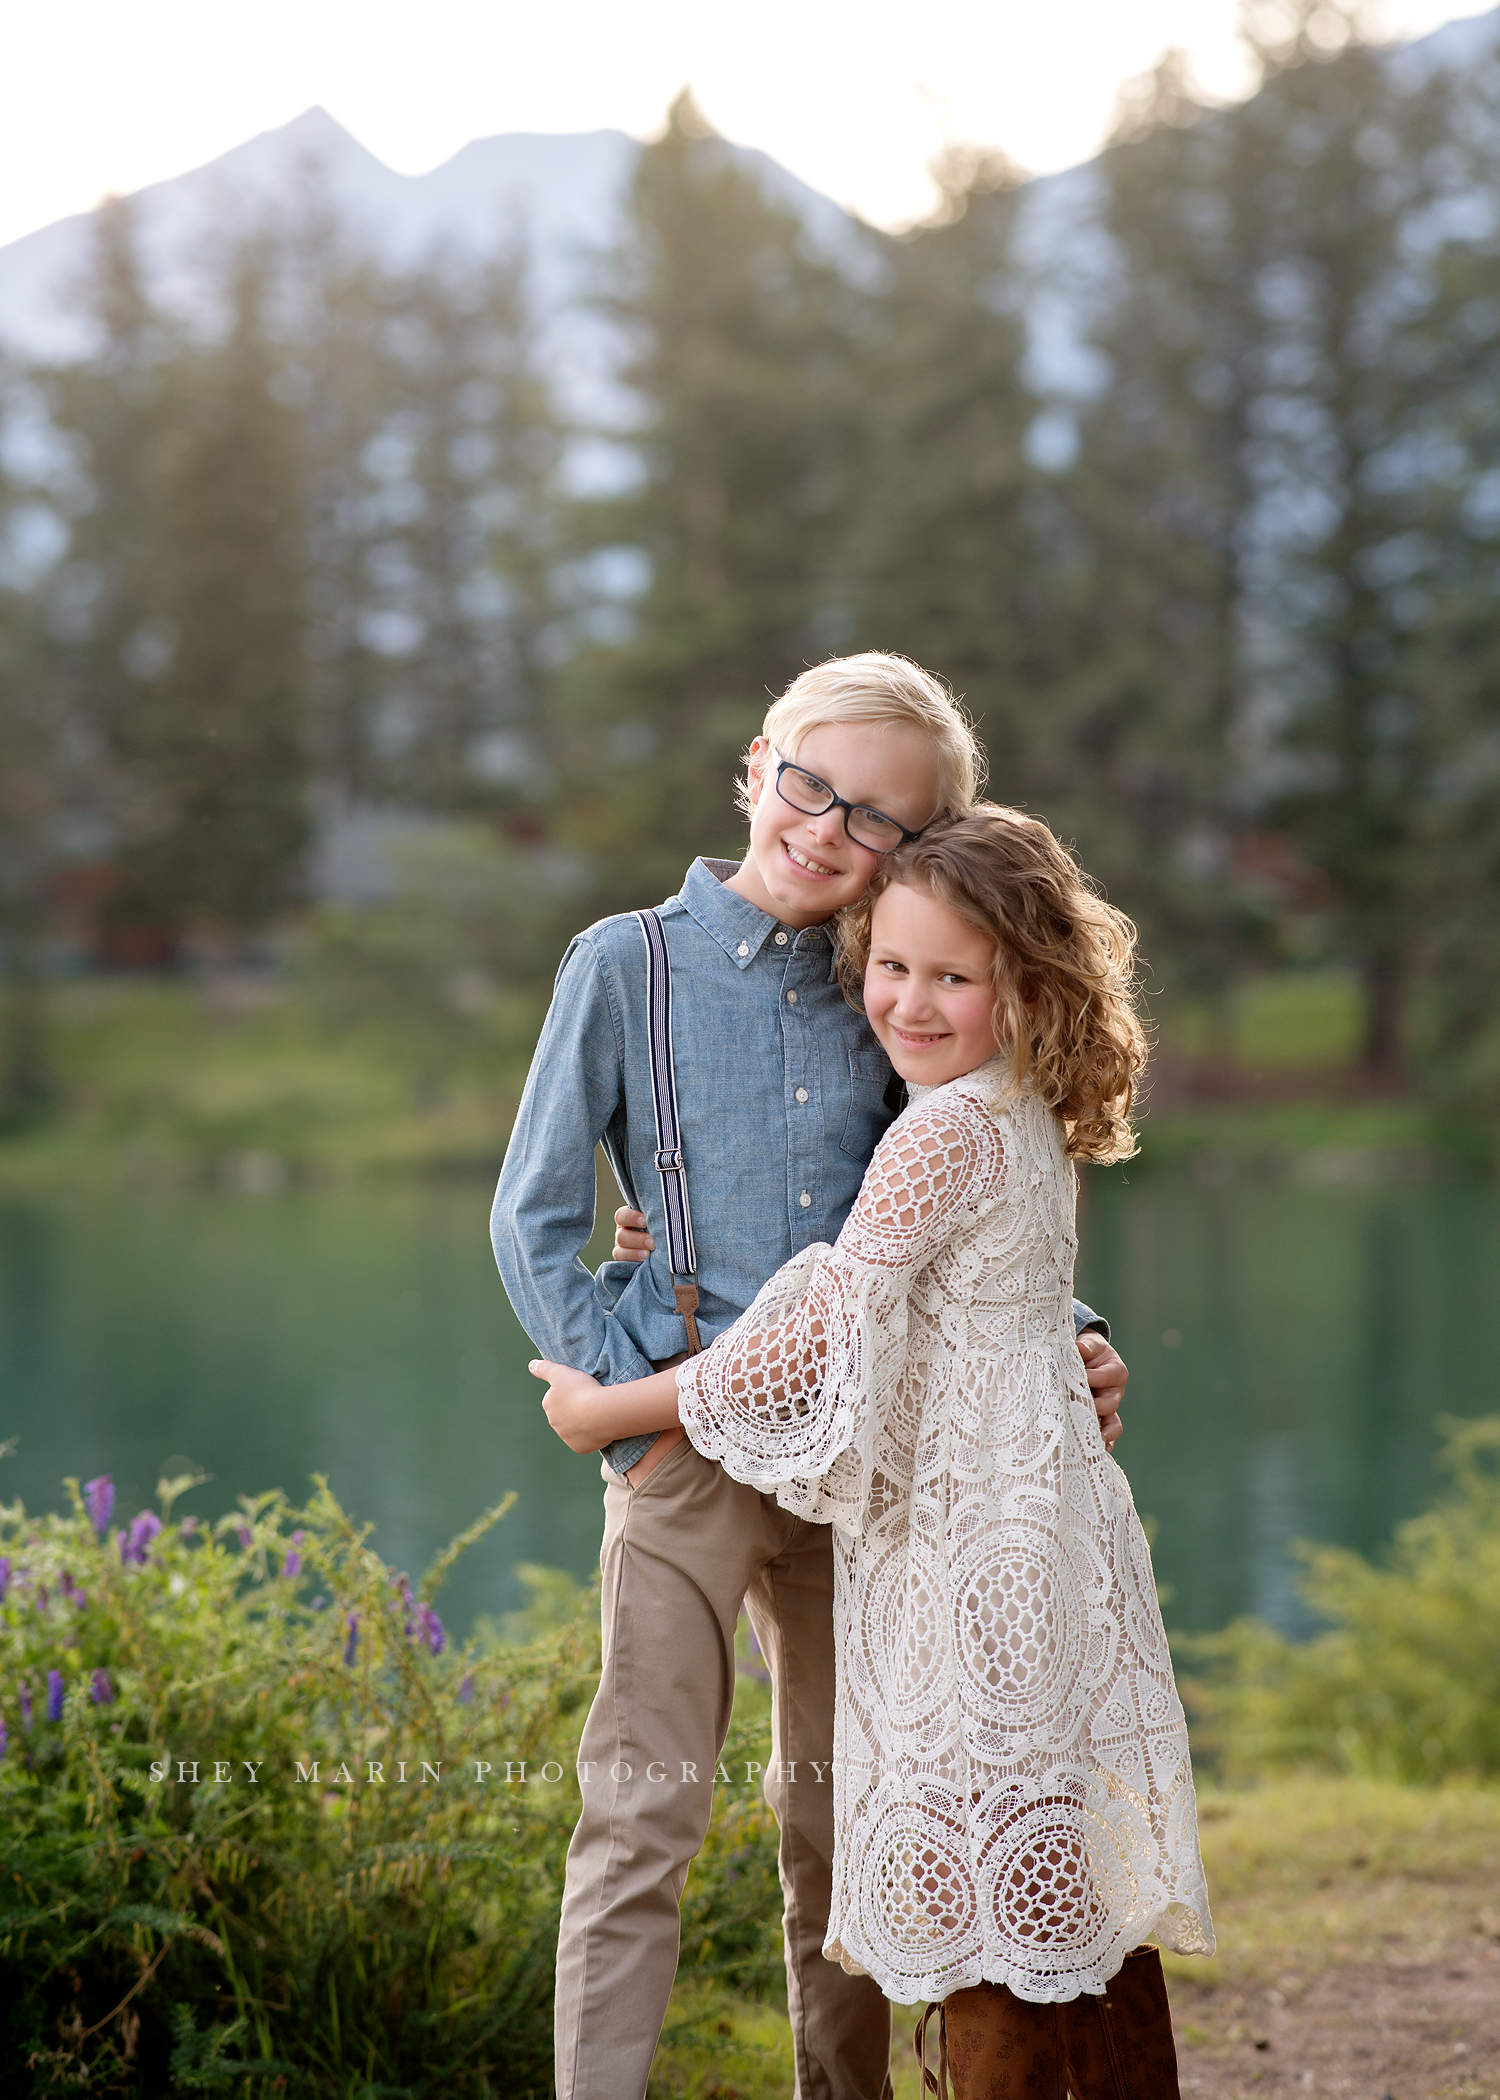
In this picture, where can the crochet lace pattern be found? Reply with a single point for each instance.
(1012, 1789)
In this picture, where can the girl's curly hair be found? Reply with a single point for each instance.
(1064, 971)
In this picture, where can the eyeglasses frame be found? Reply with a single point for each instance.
(837, 802)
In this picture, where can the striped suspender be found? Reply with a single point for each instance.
(682, 1255)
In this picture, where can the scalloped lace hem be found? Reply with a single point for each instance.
(1179, 1927)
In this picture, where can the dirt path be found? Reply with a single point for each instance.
(1372, 2030)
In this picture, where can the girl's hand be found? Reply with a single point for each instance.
(632, 1241)
(1105, 1370)
(571, 1403)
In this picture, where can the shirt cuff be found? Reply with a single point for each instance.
(1085, 1321)
(627, 1451)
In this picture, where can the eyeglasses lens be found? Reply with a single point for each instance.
(867, 827)
(805, 791)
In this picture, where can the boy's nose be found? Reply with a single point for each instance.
(828, 829)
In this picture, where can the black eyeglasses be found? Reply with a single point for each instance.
(814, 797)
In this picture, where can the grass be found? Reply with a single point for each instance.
(171, 1083)
(1326, 1143)
(1312, 1872)
(716, 2045)
(1305, 1021)
(1305, 1874)
(250, 1084)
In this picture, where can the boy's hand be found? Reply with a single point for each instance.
(1105, 1369)
(572, 1405)
(632, 1241)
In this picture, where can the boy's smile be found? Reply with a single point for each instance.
(802, 869)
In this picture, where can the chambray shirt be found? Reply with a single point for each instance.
(783, 1095)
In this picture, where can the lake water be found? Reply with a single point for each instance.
(1289, 1346)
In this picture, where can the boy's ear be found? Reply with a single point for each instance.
(757, 758)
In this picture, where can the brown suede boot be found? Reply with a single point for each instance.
(993, 2045)
(1120, 2046)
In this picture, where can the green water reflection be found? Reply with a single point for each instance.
(1290, 1348)
(1310, 1338)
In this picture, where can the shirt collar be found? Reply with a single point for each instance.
(740, 927)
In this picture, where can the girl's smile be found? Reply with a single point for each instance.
(929, 987)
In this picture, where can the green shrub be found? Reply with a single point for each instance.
(1405, 1684)
(168, 1921)
(205, 1886)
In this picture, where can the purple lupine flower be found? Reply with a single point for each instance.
(351, 1646)
(466, 1690)
(99, 1498)
(145, 1528)
(54, 1695)
(101, 1691)
(73, 1594)
(4, 1577)
(431, 1627)
(292, 1565)
(65, 1583)
(188, 1526)
(319, 1604)
(4, 1736)
(243, 1534)
(27, 1716)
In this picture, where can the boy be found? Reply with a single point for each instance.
(783, 1096)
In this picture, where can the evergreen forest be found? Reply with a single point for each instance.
(1219, 585)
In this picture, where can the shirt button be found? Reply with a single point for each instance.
(791, 998)
(802, 1093)
(744, 948)
(781, 940)
(804, 1199)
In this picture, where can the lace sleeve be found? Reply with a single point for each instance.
(805, 1373)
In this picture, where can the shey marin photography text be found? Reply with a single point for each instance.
(212, 1771)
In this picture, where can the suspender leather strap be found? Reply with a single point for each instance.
(682, 1255)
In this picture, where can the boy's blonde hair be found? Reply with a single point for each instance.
(872, 688)
(1064, 970)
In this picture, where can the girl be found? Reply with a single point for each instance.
(1013, 1795)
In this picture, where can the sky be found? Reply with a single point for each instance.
(854, 96)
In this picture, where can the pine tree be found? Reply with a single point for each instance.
(33, 768)
(215, 735)
(336, 375)
(947, 559)
(1271, 379)
(1144, 614)
(739, 366)
(1450, 607)
(432, 445)
(101, 602)
(475, 559)
(1084, 610)
(1344, 155)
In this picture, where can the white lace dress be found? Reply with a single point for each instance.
(1012, 1792)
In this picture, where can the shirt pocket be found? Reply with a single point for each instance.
(869, 1114)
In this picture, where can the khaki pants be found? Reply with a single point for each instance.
(681, 1552)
